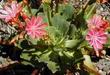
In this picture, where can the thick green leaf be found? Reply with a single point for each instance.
(89, 65)
(23, 44)
(68, 11)
(90, 11)
(71, 43)
(68, 54)
(32, 41)
(54, 34)
(61, 8)
(46, 58)
(53, 66)
(25, 56)
(61, 24)
(34, 11)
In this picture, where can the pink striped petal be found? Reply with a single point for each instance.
(14, 5)
(42, 26)
(8, 9)
(39, 20)
(3, 16)
(3, 11)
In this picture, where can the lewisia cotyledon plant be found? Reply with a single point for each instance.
(9, 12)
(36, 28)
(96, 33)
(97, 22)
(96, 38)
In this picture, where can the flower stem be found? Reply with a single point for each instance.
(47, 11)
(26, 2)
(92, 9)
(57, 4)
(84, 7)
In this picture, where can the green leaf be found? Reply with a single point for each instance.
(77, 56)
(90, 11)
(61, 24)
(26, 10)
(45, 57)
(54, 34)
(71, 43)
(53, 66)
(47, 11)
(30, 57)
(68, 54)
(68, 11)
(26, 57)
(23, 44)
(72, 30)
(34, 11)
(61, 8)
(88, 62)
(33, 41)
(89, 65)
(43, 16)
(26, 54)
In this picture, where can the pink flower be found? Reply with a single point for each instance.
(105, 25)
(35, 27)
(10, 11)
(96, 38)
(97, 22)
(104, 1)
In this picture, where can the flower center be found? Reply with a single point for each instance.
(33, 28)
(94, 37)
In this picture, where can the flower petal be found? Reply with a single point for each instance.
(14, 5)
(3, 16)
(39, 20)
(3, 11)
(35, 27)
(8, 9)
